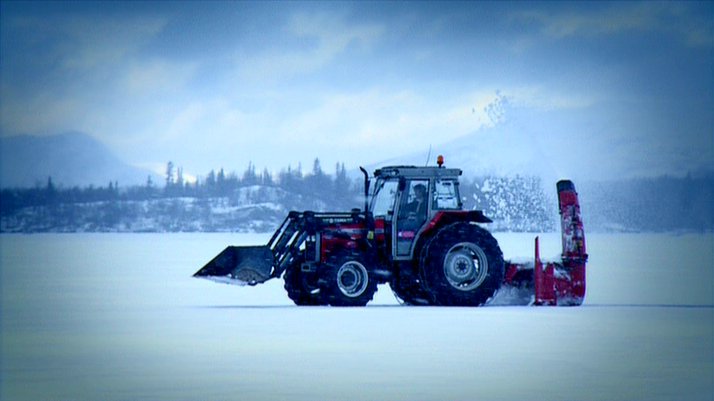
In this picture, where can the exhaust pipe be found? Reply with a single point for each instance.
(366, 189)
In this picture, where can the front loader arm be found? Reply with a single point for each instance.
(256, 264)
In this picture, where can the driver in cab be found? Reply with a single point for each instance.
(419, 204)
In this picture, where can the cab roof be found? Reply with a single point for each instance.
(417, 172)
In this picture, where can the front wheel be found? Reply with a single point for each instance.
(347, 281)
(463, 265)
(302, 288)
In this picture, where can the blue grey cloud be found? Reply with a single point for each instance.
(219, 84)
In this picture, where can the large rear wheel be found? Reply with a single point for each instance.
(463, 265)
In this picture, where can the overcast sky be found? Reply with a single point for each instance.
(625, 89)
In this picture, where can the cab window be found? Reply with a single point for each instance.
(384, 197)
(446, 195)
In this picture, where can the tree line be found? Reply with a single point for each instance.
(216, 184)
(229, 201)
(259, 201)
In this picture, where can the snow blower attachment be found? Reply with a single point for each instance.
(413, 234)
(560, 282)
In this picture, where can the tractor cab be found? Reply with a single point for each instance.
(405, 199)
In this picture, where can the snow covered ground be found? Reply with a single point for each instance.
(118, 317)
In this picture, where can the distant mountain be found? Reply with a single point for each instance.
(71, 159)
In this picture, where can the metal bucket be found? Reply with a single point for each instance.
(239, 265)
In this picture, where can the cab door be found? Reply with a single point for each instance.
(384, 202)
(412, 210)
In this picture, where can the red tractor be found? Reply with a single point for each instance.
(413, 234)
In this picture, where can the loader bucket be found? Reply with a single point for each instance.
(257, 264)
(239, 265)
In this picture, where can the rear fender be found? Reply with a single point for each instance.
(445, 218)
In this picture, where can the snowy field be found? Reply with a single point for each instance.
(118, 317)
